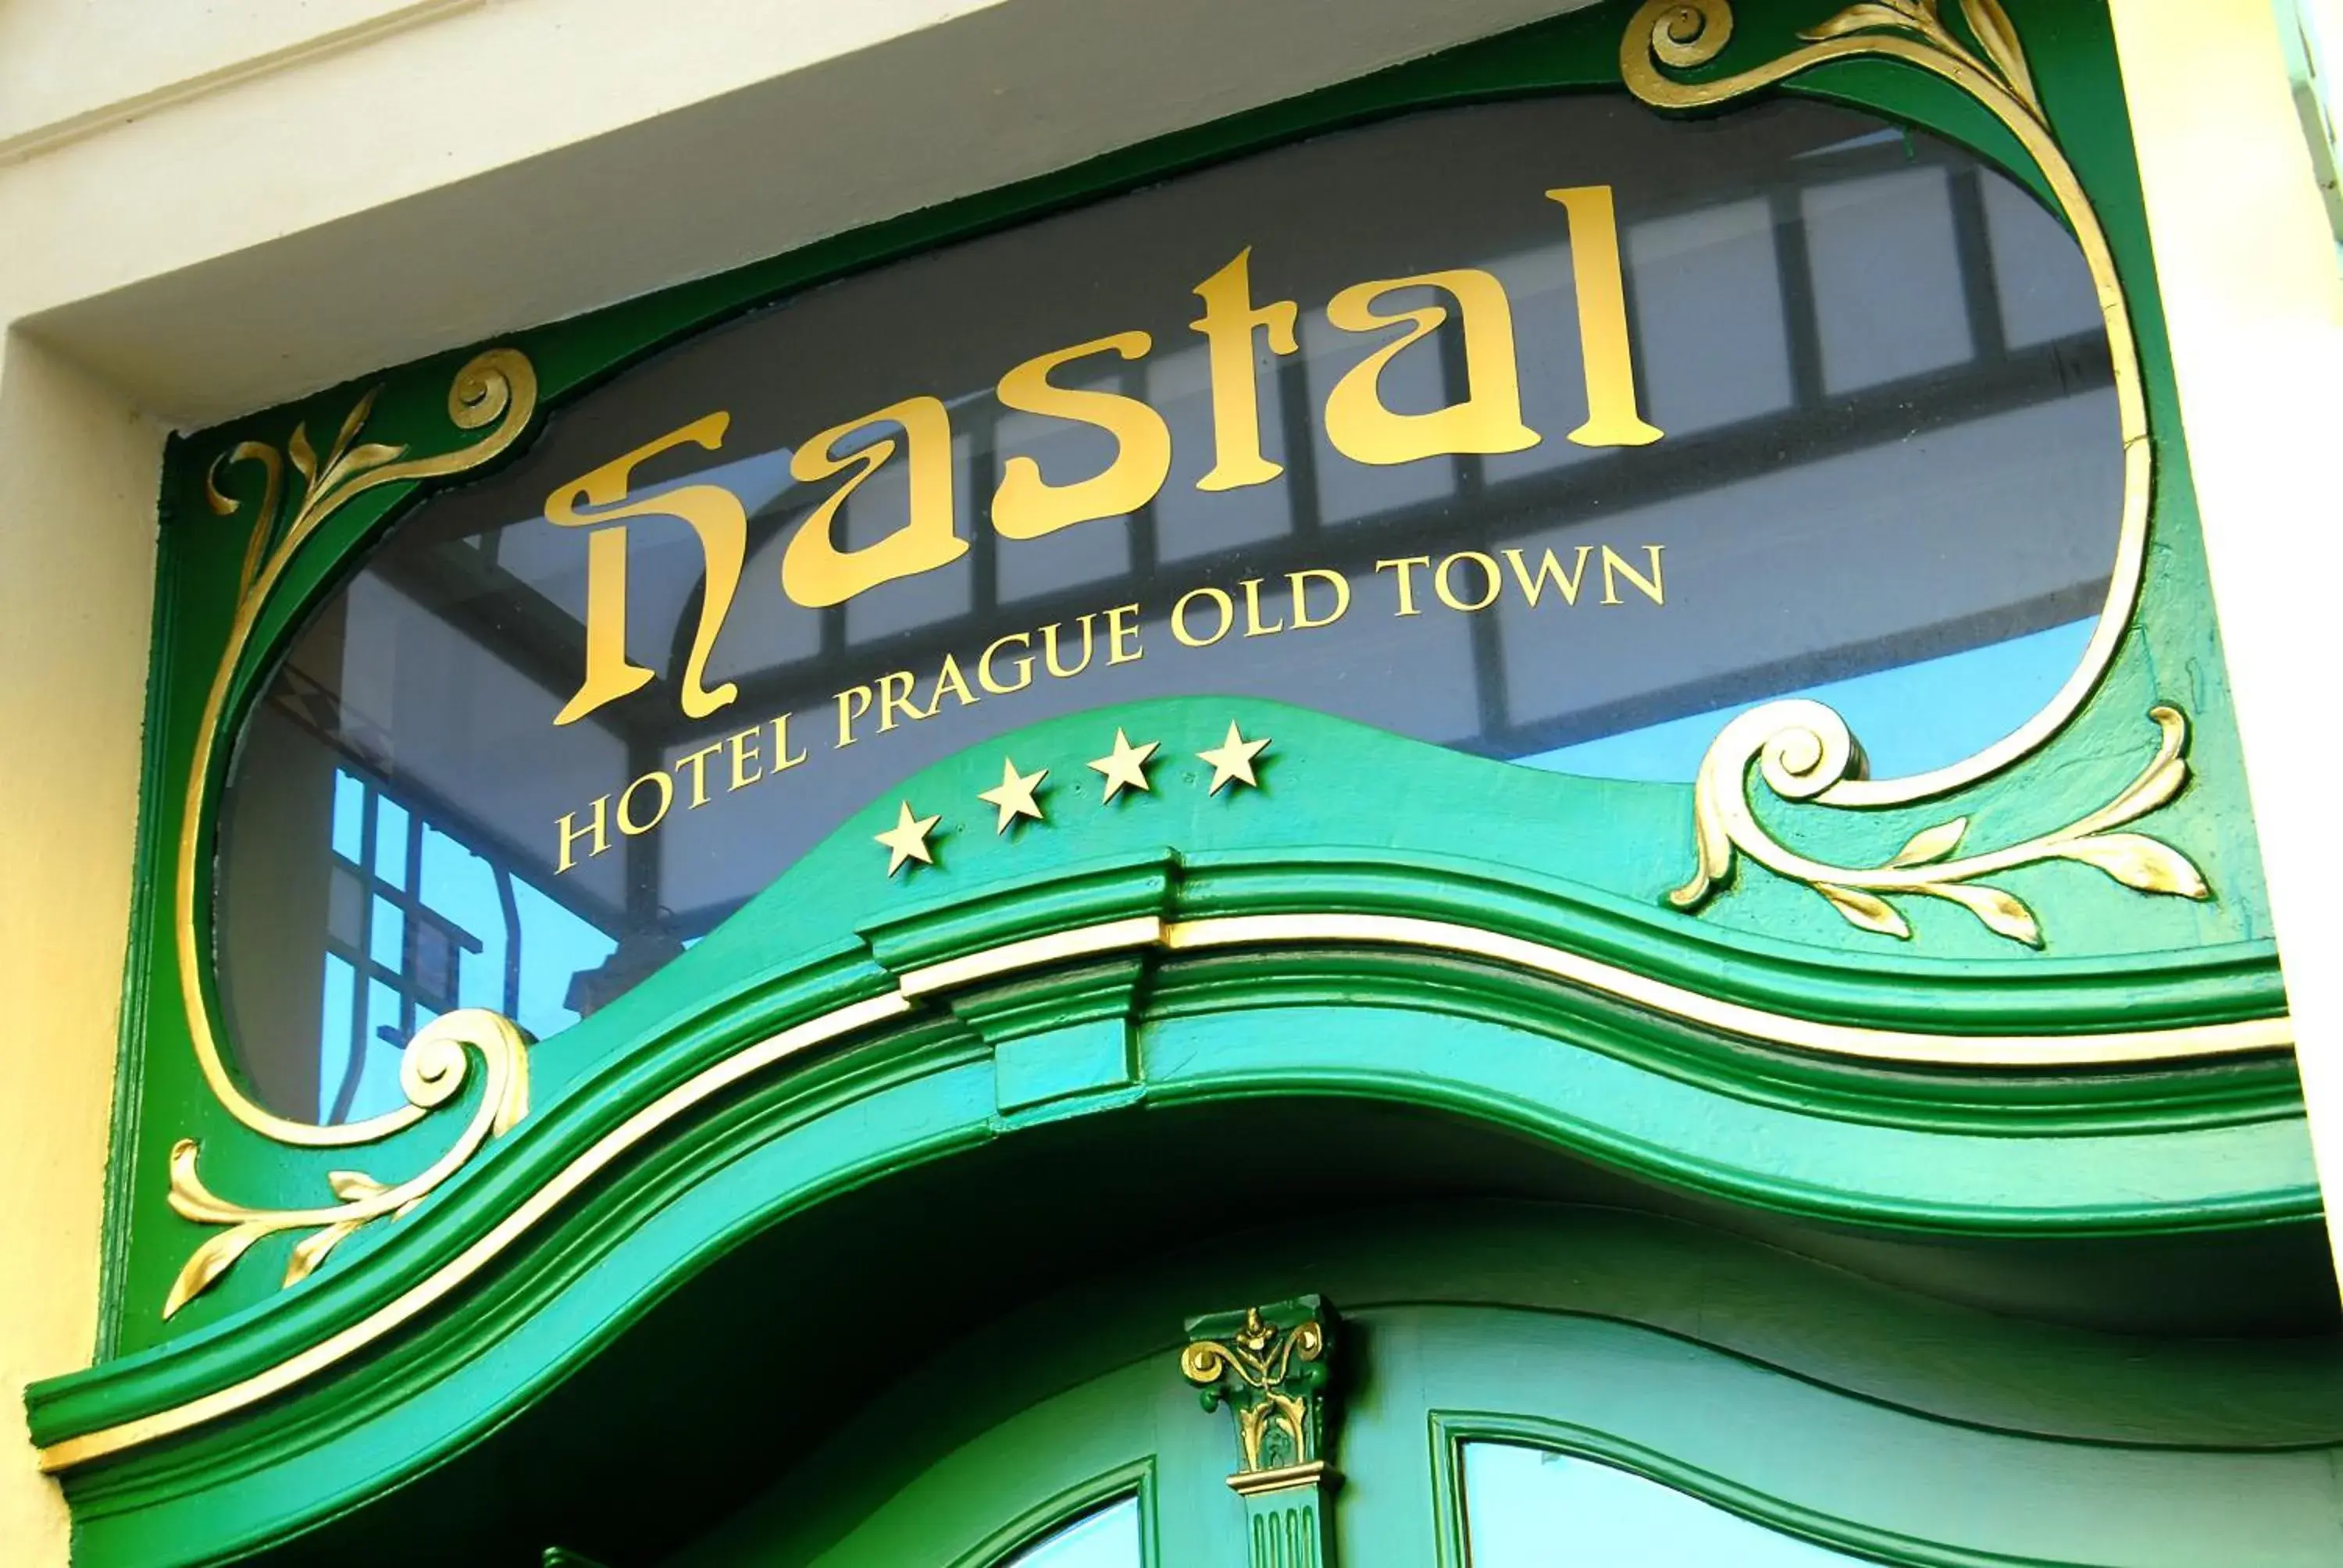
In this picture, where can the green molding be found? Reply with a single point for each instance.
(858, 1115)
(2228, 1145)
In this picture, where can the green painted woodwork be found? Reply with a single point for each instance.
(1760, 1390)
(800, 1144)
(2119, 1197)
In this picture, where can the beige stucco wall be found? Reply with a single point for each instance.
(2254, 300)
(77, 467)
(209, 209)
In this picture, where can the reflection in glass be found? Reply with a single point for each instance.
(431, 926)
(1532, 1508)
(1106, 1538)
(1891, 477)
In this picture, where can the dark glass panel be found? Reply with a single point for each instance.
(1890, 476)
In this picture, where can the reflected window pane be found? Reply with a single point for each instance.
(1106, 1538)
(1532, 1508)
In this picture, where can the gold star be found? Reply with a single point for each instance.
(1014, 797)
(1125, 765)
(1233, 760)
(907, 839)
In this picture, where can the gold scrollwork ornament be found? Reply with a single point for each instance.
(431, 1070)
(494, 394)
(1803, 750)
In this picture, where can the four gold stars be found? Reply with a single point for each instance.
(1018, 795)
(1014, 796)
(1126, 765)
(907, 839)
(1232, 760)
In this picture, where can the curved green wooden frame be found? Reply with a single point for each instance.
(931, 1091)
(1569, 1329)
(2216, 1147)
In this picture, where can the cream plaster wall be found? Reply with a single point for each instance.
(2246, 263)
(77, 467)
(205, 210)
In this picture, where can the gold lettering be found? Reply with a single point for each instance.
(1650, 587)
(1254, 628)
(745, 751)
(715, 515)
(949, 680)
(781, 743)
(1489, 573)
(627, 823)
(1026, 507)
(849, 710)
(1050, 648)
(1488, 419)
(1122, 633)
(984, 675)
(1228, 324)
(599, 829)
(1298, 582)
(698, 763)
(1533, 583)
(1611, 419)
(1221, 602)
(814, 571)
(1406, 583)
(894, 693)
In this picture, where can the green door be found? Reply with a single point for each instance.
(1530, 1386)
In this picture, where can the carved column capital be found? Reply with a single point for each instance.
(1270, 1366)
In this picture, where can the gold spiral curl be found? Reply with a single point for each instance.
(1684, 33)
(432, 1069)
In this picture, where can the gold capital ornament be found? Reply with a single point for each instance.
(1270, 1366)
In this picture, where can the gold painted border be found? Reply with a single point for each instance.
(494, 393)
(1232, 931)
(1684, 34)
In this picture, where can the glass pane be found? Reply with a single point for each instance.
(1532, 1508)
(1106, 1538)
(1887, 473)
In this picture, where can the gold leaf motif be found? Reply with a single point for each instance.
(303, 456)
(373, 455)
(1866, 16)
(2137, 861)
(1991, 25)
(310, 1250)
(208, 1262)
(1932, 843)
(355, 420)
(352, 1185)
(2003, 914)
(1863, 910)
